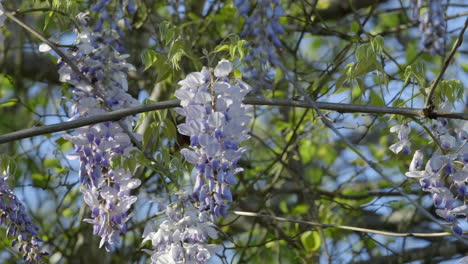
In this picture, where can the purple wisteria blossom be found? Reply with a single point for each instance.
(106, 189)
(216, 122)
(404, 145)
(182, 236)
(263, 29)
(13, 215)
(112, 16)
(445, 174)
(432, 25)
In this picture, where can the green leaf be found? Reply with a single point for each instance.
(221, 48)
(116, 162)
(52, 163)
(39, 180)
(150, 132)
(364, 66)
(340, 81)
(362, 52)
(177, 51)
(240, 48)
(376, 99)
(361, 84)
(169, 129)
(130, 163)
(355, 26)
(389, 20)
(64, 144)
(167, 32)
(149, 57)
(9, 103)
(399, 103)
(311, 240)
(283, 205)
(451, 90)
(408, 73)
(300, 209)
(411, 51)
(465, 66)
(237, 74)
(419, 72)
(377, 44)
(67, 212)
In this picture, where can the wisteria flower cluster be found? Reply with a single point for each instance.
(432, 25)
(19, 225)
(446, 172)
(106, 189)
(263, 27)
(216, 122)
(182, 236)
(113, 19)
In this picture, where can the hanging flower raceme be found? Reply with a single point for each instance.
(432, 25)
(216, 122)
(115, 16)
(263, 28)
(13, 215)
(106, 189)
(182, 236)
(446, 172)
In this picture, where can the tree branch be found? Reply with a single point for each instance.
(119, 114)
(344, 227)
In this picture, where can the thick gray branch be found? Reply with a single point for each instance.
(119, 114)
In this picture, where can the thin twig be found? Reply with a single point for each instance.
(119, 114)
(344, 227)
(429, 106)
